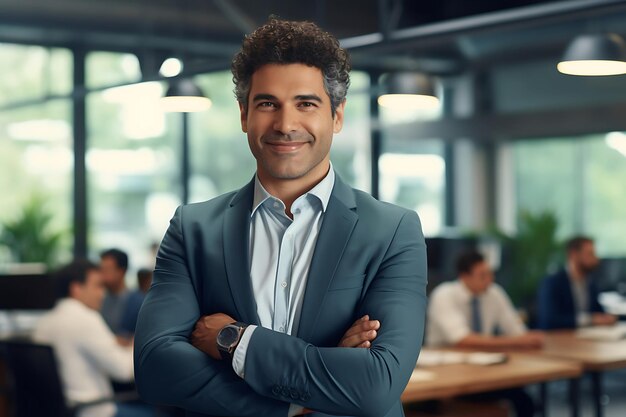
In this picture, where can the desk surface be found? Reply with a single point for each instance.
(594, 355)
(461, 379)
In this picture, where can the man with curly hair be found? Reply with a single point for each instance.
(295, 294)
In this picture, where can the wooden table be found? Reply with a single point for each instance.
(461, 379)
(594, 356)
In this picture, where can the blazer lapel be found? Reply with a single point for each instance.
(339, 221)
(236, 235)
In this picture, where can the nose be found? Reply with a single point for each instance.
(286, 120)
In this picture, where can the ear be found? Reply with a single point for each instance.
(338, 121)
(243, 114)
(75, 290)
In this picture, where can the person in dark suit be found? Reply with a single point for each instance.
(569, 298)
(134, 302)
(295, 294)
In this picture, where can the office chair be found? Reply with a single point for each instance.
(37, 389)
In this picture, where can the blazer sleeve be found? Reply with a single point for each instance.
(349, 381)
(168, 369)
(594, 296)
(555, 306)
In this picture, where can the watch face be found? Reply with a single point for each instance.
(227, 336)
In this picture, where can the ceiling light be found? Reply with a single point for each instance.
(171, 67)
(408, 91)
(594, 55)
(616, 141)
(185, 96)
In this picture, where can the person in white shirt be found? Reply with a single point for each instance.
(473, 312)
(87, 352)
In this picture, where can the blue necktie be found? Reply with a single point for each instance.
(476, 321)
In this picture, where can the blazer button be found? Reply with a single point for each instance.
(305, 396)
(285, 392)
(276, 390)
(294, 394)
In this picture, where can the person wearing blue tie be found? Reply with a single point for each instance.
(473, 312)
(295, 294)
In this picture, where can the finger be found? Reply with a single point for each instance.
(365, 344)
(357, 339)
(362, 326)
(358, 327)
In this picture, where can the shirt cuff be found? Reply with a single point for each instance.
(583, 319)
(295, 410)
(239, 357)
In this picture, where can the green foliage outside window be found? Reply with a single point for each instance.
(31, 236)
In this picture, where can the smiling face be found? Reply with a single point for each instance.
(290, 124)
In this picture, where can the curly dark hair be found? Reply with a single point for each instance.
(288, 42)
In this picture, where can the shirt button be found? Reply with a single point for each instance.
(282, 329)
(276, 204)
(284, 285)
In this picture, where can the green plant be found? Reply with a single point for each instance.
(30, 237)
(533, 250)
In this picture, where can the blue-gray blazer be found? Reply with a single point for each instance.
(370, 258)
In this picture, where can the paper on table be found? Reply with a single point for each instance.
(603, 333)
(421, 375)
(485, 358)
(438, 357)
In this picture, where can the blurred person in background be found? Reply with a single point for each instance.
(113, 265)
(87, 352)
(569, 298)
(134, 302)
(473, 312)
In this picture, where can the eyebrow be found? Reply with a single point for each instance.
(309, 97)
(300, 97)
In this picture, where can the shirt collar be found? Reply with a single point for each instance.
(466, 294)
(69, 302)
(322, 191)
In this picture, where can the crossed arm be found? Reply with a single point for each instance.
(170, 370)
(204, 337)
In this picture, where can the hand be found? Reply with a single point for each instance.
(124, 341)
(204, 336)
(361, 334)
(532, 339)
(603, 319)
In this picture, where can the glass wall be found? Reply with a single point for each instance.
(133, 159)
(579, 179)
(36, 153)
(413, 171)
(133, 150)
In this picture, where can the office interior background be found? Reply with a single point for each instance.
(513, 148)
(82, 130)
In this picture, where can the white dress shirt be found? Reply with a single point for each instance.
(87, 354)
(580, 293)
(449, 318)
(280, 252)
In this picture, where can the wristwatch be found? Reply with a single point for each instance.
(228, 338)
